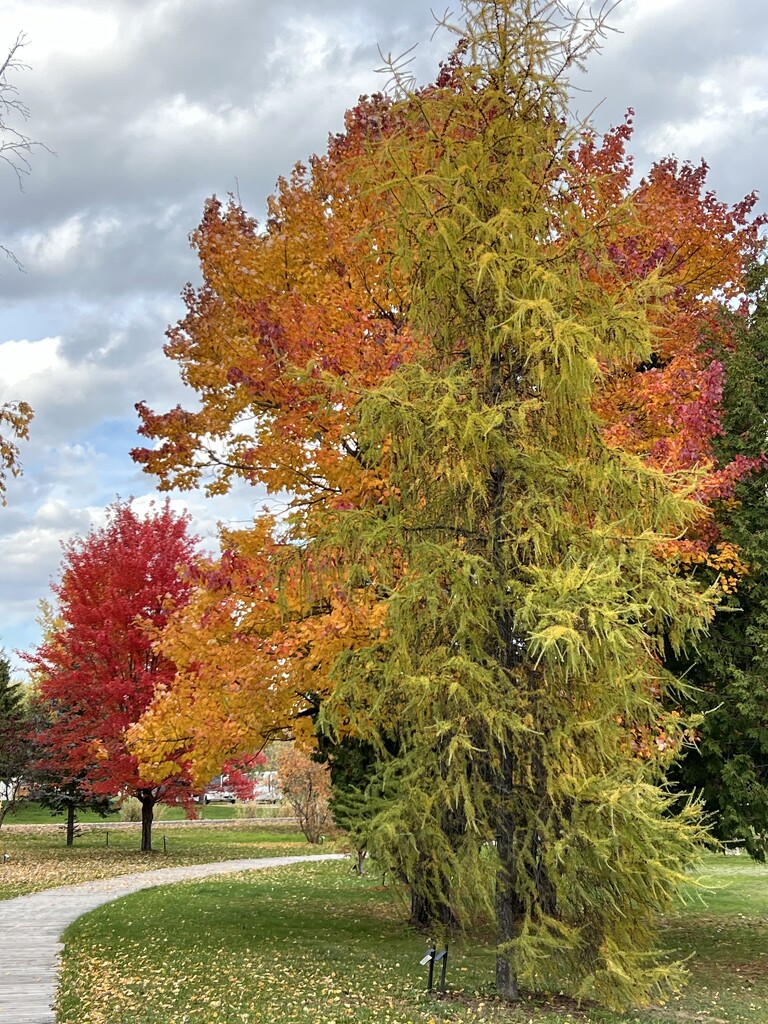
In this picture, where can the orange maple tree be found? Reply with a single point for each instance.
(669, 411)
(251, 651)
(290, 324)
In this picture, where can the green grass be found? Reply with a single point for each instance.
(316, 945)
(727, 940)
(31, 813)
(38, 858)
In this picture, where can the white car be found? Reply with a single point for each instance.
(219, 796)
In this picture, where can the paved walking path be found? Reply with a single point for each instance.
(30, 927)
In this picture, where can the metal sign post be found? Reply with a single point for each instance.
(432, 957)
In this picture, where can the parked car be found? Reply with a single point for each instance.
(219, 796)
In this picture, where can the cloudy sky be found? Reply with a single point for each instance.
(150, 106)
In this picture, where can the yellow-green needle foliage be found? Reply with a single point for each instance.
(515, 692)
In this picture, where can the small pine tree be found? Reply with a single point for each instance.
(54, 787)
(15, 747)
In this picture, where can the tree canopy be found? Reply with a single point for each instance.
(97, 669)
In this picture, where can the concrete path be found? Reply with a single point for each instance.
(30, 927)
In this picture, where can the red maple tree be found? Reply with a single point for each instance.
(97, 668)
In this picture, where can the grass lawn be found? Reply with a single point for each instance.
(314, 944)
(38, 858)
(31, 813)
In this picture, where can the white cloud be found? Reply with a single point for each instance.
(58, 245)
(176, 120)
(64, 28)
(632, 14)
(51, 512)
(24, 359)
(724, 101)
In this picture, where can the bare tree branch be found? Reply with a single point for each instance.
(15, 146)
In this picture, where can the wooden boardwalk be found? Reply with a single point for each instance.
(30, 927)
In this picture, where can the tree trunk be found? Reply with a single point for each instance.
(422, 914)
(426, 910)
(361, 855)
(9, 803)
(546, 892)
(148, 800)
(70, 824)
(508, 654)
(507, 902)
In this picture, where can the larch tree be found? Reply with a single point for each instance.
(97, 669)
(517, 554)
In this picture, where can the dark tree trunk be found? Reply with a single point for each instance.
(70, 824)
(427, 911)
(422, 915)
(508, 654)
(148, 801)
(507, 900)
(545, 889)
(360, 866)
